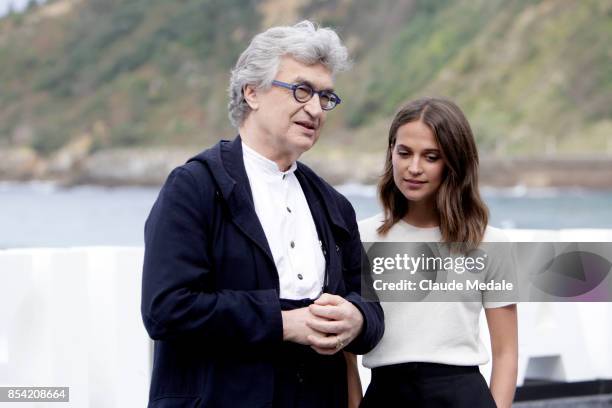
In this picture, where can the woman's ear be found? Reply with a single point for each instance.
(250, 96)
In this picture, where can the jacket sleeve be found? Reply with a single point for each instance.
(373, 316)
(178, 298)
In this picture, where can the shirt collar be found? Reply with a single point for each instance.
(264, 165)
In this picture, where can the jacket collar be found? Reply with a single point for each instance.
(227, 167)
(326, 195)
(224, 160)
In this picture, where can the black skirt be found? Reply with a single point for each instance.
(427, 385)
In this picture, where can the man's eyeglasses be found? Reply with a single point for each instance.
(303, 93)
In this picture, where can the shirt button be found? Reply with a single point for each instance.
(300, 277)
(292, 244)
(288, 209)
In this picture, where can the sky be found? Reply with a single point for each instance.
(17, 5)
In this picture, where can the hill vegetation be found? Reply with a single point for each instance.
(534, 77)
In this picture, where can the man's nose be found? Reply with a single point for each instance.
(313, 106)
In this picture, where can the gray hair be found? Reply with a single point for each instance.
(258, 64)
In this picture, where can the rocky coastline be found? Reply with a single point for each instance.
(150, 167)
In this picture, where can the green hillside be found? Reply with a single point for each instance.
(534, 77)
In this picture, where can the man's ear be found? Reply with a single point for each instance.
(250, 96)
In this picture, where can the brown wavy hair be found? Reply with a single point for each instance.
(463, 214)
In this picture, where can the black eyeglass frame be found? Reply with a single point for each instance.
(331, 96)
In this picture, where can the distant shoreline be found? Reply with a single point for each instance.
(151, 166)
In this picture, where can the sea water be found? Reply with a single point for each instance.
(46, 215)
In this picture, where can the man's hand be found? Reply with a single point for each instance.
(335, 317)
(295, 328)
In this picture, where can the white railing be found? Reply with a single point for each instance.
(71, 317)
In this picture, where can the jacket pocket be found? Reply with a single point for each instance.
(176, 401)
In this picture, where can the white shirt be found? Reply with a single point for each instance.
(435, 332)
(284, 214)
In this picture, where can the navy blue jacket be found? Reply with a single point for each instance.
(210, 289)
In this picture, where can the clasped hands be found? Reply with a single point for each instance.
(328, 325)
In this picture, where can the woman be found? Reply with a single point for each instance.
(430, 352)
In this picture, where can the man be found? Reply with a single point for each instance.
(252, 262)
